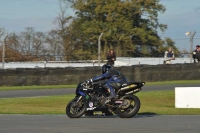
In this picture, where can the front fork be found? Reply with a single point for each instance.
(86, 99)
(80, 97)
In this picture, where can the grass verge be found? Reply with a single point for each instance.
(155, 102)
(7, 88)
(174, 82)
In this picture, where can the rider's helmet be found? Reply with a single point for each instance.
(105, 68)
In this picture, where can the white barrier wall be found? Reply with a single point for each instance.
(120, 61)
(187, 97)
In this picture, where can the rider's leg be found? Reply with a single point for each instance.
(112, 93)
(111, 90)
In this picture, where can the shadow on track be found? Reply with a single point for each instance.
(139, 115)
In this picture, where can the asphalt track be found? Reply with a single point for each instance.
(96, 124)
(99, 124)
(51, 92)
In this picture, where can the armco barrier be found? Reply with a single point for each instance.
(74, 75)
(167, 72)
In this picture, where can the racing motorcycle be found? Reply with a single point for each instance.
(93, 96)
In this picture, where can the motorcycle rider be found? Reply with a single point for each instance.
(114, 79)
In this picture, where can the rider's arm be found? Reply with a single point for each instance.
(103, 76)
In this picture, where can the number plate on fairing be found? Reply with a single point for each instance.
(92, 108)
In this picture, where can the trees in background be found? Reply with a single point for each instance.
(130, 27)
(55, 46)
(28, 45)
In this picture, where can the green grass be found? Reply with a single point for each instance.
(35, 105)
(174, 82)
(7, 88)
(162, 103)
(155, 102)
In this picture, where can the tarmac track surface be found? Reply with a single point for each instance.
(49, 92)
(99, 124)
(96, 124)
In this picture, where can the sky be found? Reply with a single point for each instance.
(181, 16)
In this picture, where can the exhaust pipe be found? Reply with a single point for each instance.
(134, 91)
(128, 87)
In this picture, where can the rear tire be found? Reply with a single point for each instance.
(74, 110)
(132, 110)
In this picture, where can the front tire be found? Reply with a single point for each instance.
(76, 109)
(132, 110)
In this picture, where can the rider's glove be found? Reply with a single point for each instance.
(89, 81)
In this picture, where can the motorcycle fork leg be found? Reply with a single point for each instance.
(79, 99)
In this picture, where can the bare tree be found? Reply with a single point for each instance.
(54, 41)
(26, 40)
(13, 41)
(38, 48)
(63, 21)
(30, 44)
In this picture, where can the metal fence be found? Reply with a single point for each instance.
(120, 61)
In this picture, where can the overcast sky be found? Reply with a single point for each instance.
(181, 16)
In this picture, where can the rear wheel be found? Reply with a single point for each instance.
(76, 109)
(132, 109)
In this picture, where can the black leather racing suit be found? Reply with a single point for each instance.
(115, 80)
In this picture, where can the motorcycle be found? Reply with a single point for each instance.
(91, 97)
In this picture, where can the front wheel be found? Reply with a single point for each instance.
(132, 109)
(75, 108)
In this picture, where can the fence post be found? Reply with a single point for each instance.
(3, 52)
(99, 48)
(45, 64)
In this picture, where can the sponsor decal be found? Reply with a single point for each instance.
(87, 97)
(92, 108)
(90, 104)
(133, 85)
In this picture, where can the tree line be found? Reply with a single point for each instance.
(130, 27)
